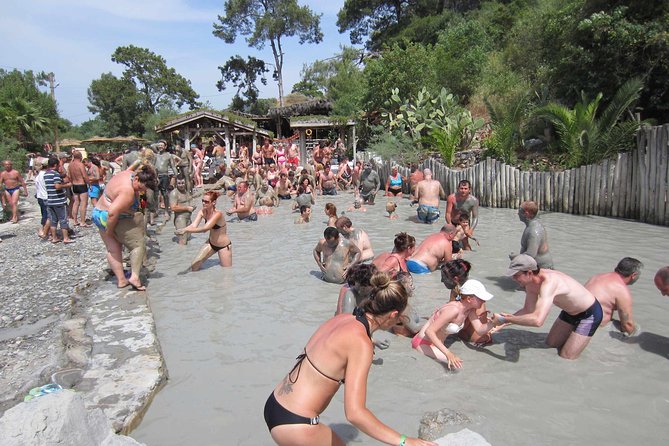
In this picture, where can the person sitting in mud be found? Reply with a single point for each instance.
(661, 280)
(344, 174)
(428, 192)
(303, 198)
(391, 206)
(434, 250)
(394, 183)
(534, 241)
(370, 183)
(284, 187)
(327, 182)
(450, 319)
(356, 235)
(305, 215)
(395, 262)
(463, 233)
(331, 212)
(357, 204)
(410, 323)
(120, 203)
(243, 205)
(612, 292)
(214, 223)
(453, 274)
(266, 199)
(182, 207)
(357, 287)
(334, 256)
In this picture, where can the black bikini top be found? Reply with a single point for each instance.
(359, 314)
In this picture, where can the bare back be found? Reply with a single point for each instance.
(566, 292)
(428, 192)
(610, 290)
(435, 249)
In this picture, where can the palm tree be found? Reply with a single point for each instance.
(22, 118)
(586, 136)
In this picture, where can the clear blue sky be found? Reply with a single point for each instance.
(75, 39)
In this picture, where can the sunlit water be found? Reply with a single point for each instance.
(229, 335)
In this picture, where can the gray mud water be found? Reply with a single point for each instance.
(229, 335)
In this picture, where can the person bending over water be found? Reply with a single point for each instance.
(338, 255)
(218, 241)
(613, 293)
(450, 319)
(120, 201)
(434, 250)
(340, 351)
(581, 312)
(662, 280)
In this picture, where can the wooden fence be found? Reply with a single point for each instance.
(634, 185)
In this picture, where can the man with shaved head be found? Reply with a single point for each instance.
(662, 280)
(428, 193)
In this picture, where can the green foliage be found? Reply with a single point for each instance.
(394, 146)
(432, 119)
(586, 136)
(152, 121)
(157, 85)
(268, 21)
(27, 115)
(461, 55)
(10, 149)
(118, 105)
(243, 74)
(338, 79)
(507, 129)
(406, 69)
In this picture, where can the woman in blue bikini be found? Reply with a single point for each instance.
(339, 352)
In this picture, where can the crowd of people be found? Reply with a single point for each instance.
(376, 288)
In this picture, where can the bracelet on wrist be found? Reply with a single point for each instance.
(403, 439)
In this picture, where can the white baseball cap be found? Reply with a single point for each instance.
(475, 288)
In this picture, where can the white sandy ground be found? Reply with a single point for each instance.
(229, 335)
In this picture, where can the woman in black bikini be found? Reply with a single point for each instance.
(339, 352)
(218, 241)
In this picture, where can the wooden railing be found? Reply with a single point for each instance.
(634, 185)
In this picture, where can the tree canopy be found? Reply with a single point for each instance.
(158, 85)
(243, 74)
(269, 21)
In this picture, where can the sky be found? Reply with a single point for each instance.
(75, 39)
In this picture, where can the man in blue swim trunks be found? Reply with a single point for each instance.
(433, 251)
(13, 182)
(581, 312)
(428, 192)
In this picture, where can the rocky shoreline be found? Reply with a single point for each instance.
(63, 320)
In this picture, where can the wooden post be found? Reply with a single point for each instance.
(228, 158)
(303, 147)
(254, 145)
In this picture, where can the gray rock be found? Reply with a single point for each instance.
(433, 424)
(58, 418)
(465, 437)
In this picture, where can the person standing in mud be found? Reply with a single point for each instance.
(335, 255)
(117, 215)
(214, 223)
(427, 193)
(534, 241)
(182, 207)
(164, 161)
(370, 183)
(460, 201)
